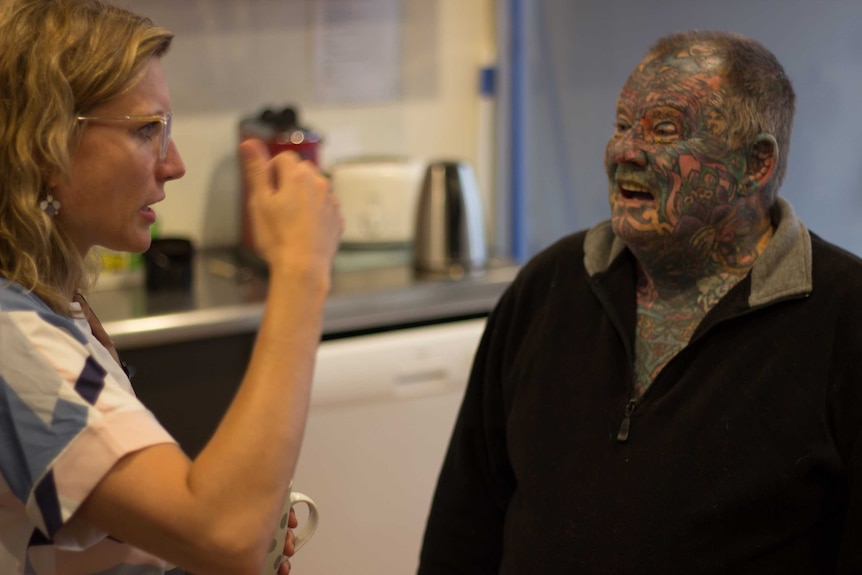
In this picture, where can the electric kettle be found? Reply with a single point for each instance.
(450, 230)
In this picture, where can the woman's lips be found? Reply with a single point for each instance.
(148, 214)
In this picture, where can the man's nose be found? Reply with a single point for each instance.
(628, 150)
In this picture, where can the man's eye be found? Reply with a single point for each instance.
(666, 129)
(621, 126)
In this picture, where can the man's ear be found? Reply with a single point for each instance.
(761, 163)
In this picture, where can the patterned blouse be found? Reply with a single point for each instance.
(67, 415)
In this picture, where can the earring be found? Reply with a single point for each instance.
(50, 206)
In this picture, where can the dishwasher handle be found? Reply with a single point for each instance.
(396, 365)
(425, 382)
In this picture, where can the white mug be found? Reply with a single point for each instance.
(275, 557)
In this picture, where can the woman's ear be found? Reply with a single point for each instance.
(760, 164)
(54, 179)
(56, 182)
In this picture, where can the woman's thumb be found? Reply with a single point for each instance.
(254, 164)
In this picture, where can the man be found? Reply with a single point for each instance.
(678, 389)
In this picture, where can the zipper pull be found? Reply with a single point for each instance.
(623, 433)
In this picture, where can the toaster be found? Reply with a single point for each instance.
(378, 197)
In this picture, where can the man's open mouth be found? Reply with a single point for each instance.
(634, 191)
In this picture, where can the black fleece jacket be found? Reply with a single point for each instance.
(743, 456)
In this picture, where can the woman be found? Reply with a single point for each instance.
(90, 481)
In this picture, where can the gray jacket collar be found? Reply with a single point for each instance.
(783, 270)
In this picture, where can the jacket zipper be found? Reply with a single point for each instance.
(623, 433)
(631, 404)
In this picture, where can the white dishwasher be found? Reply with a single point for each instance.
(383, 408)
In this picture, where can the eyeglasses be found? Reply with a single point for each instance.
(164, 119)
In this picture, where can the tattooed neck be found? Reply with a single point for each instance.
(691, 276)
(698, 298)
(669, 312)
(665, 324)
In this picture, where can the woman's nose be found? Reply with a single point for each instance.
(172, 167)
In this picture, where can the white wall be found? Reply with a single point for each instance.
(231, 58)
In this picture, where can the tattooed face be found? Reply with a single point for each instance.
(673, 177)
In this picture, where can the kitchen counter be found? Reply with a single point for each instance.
(370, 291)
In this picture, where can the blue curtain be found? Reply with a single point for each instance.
(566, 60)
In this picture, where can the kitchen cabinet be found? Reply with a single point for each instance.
(189, 348)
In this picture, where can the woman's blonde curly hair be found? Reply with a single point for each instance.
(58, 59)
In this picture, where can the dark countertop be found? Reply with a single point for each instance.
(369, 291)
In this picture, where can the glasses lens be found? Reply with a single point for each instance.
(166, 137)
